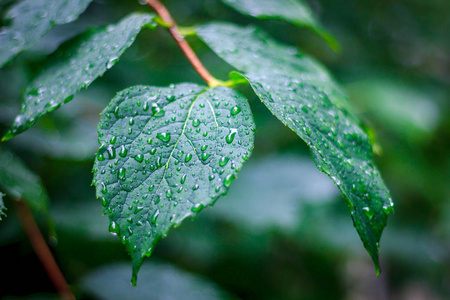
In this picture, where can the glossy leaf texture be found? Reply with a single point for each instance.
(165, 154)
(30, 20)
(21, 183)
(296, 12)
(75, 66)
(302, 95)
(2, 207)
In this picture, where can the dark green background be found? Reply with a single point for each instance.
(271, 238)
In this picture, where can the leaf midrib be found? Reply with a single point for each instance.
(178, 140)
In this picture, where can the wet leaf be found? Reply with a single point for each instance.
(159, 281)
(75, 66)
(165, 154)
(302, 95)
(30, 20)
(296, 12)
(20, 183)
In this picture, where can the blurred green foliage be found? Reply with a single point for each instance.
(290, 238)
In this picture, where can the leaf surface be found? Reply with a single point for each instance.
(296, 12)
(165, 154)
(30, 20)
(21, 183)
(76, 65)
(302, 95)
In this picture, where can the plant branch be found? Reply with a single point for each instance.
(42, 251)
(164, 14)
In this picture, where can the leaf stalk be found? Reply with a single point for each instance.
(169, 23)
(42, 250)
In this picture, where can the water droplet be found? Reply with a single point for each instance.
(165, 136)
(155, 216)
(157, 111)
(104, 188)
(183, 179)
(228, 180)
(111, 152)
(223, 161)
(235, 110)
(122, 174)
(111, 62)
(368, 212)
(158, 162)
(114, 228)
(196, 122)
(205, 156)
(230, 137)
(188, 157)
(139, 157)
(197, 207)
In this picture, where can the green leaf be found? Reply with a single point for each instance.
(20, 183)
(165, 154)
(302, 95)
(296, 12)
(159, 281)
(2, 207)
(75, 66)
(30, 20)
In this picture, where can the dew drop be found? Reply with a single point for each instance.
(230, 137)
(122, 174)
(197, 207)
(165, 136)
(223, 161)
(155, 216)
(235, 110)
(228, 180)
(139, 158)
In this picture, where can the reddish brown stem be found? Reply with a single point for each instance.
(42, 251)
(164, 14)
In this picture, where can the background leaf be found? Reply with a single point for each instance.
(296, 12)
(293, 181)
(30, 20)
(298, 91)
(159, 281)
(2, 206)
(20, 183)
(76, 65)
(165, 154)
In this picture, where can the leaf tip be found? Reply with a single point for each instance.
(378, 270)
(7, 136)
(136, 266)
